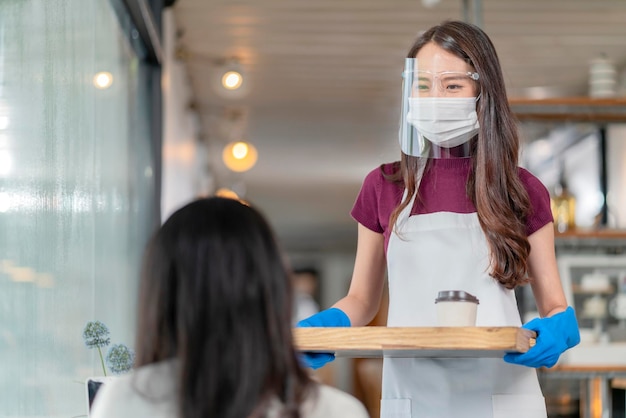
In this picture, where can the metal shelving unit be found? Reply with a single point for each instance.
(576, 109)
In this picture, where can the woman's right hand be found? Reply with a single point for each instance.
(332, 317)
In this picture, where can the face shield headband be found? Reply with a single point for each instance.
(438, 112)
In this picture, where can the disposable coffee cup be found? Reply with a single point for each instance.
(456, 308)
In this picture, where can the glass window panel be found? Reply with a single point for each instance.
(76, 188)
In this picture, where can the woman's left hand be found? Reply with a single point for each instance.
(555, 334)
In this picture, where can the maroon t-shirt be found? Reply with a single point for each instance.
(442, 189)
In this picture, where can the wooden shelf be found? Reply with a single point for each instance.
(587, 371)
(593, 234)
(436, 342)
(580, 109)
(591, 239)
(578, 289)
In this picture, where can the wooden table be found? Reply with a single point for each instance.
(440, 342)
(596, 389)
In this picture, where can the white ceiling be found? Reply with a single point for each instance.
(324, 86)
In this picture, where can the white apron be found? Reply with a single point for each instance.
(448, 251)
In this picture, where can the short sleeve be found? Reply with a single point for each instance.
(540, 213)
(366, 209)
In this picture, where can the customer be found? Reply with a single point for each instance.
(214, 336)
(456, 213)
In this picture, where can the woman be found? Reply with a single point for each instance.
(214, 335)
(456, 212)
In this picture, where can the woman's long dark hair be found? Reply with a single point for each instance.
(215, 295)
(501, 200)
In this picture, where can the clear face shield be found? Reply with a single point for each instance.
(438, 112)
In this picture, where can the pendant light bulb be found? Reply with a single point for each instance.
(232, 80)
(228, 78)
(239, 156)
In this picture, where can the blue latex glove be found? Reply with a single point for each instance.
(555, 334)
(332, 317)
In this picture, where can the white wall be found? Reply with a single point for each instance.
(616, 173)
(184, 155)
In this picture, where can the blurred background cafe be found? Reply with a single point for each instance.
(115, 112)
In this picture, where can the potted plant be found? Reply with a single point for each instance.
(119, 358)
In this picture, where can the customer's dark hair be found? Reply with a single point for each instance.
(216, 296)
(494, 186)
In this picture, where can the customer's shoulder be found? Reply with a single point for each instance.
(147, 391)
(330, 402)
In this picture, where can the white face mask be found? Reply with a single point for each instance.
(444, 121)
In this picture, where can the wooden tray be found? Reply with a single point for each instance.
(435, 342)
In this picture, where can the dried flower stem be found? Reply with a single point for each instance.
(102, 361)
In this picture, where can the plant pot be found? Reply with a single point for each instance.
(92, 385)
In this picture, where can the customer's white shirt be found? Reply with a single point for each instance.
(149, 392)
